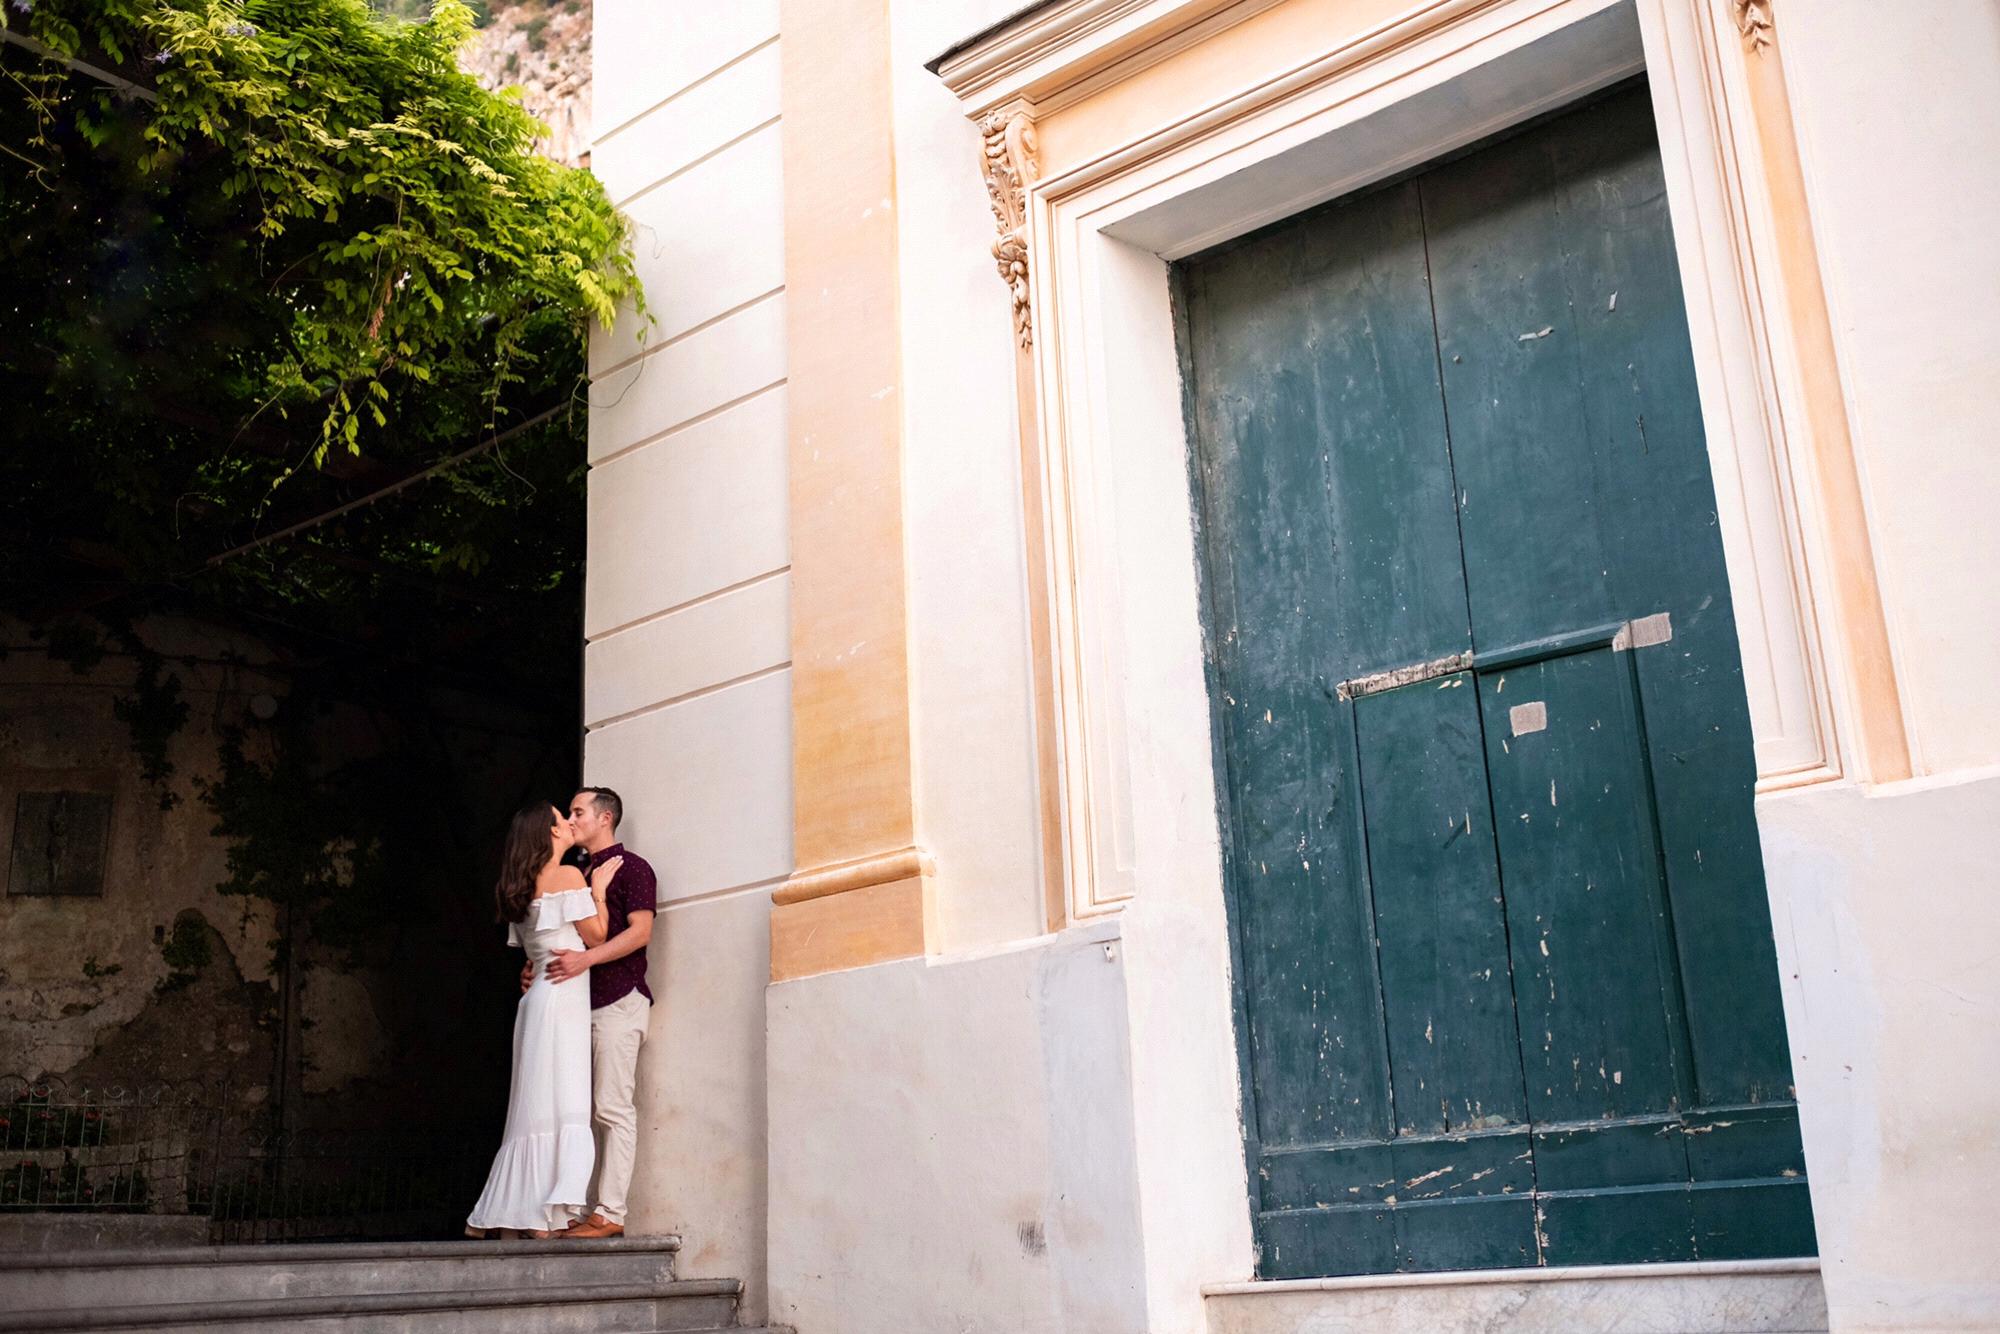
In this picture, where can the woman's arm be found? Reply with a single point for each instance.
(595, 929)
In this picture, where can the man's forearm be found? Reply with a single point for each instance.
(633, 937)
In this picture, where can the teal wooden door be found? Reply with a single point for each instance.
(1507, 991)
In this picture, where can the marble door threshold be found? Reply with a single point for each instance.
(1715, 1297)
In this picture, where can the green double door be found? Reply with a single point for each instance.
(1507, 991)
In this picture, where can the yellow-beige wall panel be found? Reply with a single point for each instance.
(647, 51)
(687, 684)
(851, 672)
(718, 639)
(685, 516)
(707, 784)
(702, 119)
(709, 240)
(712, 368)
(869, 924)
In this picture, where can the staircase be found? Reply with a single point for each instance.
(624, 1285)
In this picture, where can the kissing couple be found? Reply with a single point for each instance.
(576, 1048)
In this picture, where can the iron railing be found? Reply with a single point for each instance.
(191, 1150)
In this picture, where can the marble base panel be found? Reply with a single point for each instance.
(1759, 1297)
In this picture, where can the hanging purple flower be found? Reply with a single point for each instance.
(240, 29)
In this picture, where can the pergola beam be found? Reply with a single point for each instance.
(124, 85)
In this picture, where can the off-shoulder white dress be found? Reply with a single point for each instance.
(541, 1176)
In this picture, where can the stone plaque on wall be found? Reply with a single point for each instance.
(60, 844)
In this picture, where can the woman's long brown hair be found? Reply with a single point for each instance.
(522, 858)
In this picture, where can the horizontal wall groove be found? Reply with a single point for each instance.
(682, 335)
(709, 156)
(689, 696)
(708, 414)
(685, 89)
(688, 604)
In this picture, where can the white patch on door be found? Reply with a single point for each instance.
(1530, 717)
(1644, 632)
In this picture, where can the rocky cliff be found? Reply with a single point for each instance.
(541, 47)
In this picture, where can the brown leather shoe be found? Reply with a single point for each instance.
(597, 1226)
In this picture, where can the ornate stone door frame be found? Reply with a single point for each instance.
(1105, 439)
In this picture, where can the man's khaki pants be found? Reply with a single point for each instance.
(617, 1031)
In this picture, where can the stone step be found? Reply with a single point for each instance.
(121, 1278)
(683, 1306)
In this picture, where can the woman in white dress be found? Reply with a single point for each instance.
(542, 1173)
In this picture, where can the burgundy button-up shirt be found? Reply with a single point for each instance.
(633, 889)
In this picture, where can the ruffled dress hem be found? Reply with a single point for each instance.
(538, 1182)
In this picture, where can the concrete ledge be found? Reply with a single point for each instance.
(308, 1273)
(1733, 1297)
(48, 1238)
(719, 1292)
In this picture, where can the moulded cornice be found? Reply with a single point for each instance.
(1044, 51)
(883, 868)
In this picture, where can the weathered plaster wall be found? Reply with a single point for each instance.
(419, 1037)
(161, 863)
(687, 681)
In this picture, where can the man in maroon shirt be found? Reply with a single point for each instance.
(620, 1004)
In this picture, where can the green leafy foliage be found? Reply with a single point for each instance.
(152, 714)
(322, 267)
(402, 228)
(322, 263)
(186, 951)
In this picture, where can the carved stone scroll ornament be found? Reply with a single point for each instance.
(1009, 161)
(1753, 20)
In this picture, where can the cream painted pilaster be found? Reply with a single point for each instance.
(1008, 155)
(1878, 749)
(860, 890)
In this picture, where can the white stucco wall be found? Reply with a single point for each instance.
(1886, 905)
(687, 685)
(965, 1160)
(925, 1117)
(1886, 902)
(923, 1113)
(974, 743)
(1898, 115)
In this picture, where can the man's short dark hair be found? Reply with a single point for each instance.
(606, 801)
